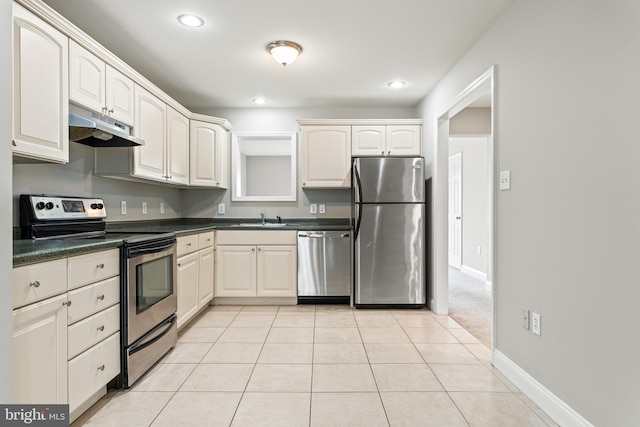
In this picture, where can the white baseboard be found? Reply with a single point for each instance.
(473, 273)
(556, 408)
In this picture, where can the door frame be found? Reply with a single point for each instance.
(485, 83)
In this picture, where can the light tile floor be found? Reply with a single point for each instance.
(320, 366)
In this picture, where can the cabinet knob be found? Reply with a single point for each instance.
(67, 303)
(13, 142)
(389, 153)
(35, 284)
(253, 249)
(101, 368)
(259, 249)
(304, 183)
(100, 266)
(111, 111)
(101, 328)
(101, 297)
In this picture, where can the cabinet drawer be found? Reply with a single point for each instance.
(91, 268)
(92, 330)
(36, 282)
(205, 240)
(93, 298)
(93, 369)
(187, 244)
(256, 237)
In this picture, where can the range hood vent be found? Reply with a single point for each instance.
(96, 130)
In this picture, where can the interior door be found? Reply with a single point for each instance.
(455, 210)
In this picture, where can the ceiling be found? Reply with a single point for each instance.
(351, 48)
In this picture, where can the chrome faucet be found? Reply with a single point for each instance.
(262, 218)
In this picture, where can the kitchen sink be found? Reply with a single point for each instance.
(265, 225)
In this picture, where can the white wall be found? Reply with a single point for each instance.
(6, 252)
(566, 233)
(76, 178)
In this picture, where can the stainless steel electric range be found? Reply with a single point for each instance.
(147, 274)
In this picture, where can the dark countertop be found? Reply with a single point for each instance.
(29, 251)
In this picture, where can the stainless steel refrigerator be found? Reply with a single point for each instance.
(389, 237)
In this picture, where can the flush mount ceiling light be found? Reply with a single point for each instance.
(191, 20)
(283, 51)
(396, 84)
(260, 101)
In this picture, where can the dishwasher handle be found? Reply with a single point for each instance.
(324, 236)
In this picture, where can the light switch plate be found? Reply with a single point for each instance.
(220, 208)
(313, 208)
(161, 207)
(505, 180)
(144, 208)
(123, 207)
(322, 208)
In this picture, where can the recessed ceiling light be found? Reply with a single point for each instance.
(260, 101)
(396, 84)
(191, 20)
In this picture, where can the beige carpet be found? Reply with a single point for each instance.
(470, 305)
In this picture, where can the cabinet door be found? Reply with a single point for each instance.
(404, 140)
(40, 352)
(149, 160)
(326, 157)
(235, 271)
(86, 78)
(120, 91)
(207, 155)
(187, 288)
(40, 88)
(205, 280)
(177, 147)
(277, 271)
(368, 140)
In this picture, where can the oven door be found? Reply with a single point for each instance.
(151, 286)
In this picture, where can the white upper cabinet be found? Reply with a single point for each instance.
(325, 157)
(149, 159)
(177, 167)
(386, 140)
(98, 86)
(209, 153)
(40, 89)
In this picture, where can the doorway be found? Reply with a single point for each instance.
(482, 90)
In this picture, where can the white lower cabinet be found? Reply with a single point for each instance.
(66, 347)
(92, 369)
(40, 352)
(195, 275)
(256, 264)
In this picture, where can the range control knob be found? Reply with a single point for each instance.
(40, 205)
(49, 205)
(97, 206)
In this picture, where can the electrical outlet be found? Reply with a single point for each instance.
(161, 207)
(535, 323)
(123, 207)
(525, 318)
(144, 208)
(313, 208)
(322, 208)
(479, 250)
(220, 208)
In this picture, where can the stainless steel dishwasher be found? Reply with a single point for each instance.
(324, 267)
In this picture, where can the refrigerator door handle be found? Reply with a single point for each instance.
(358, 204)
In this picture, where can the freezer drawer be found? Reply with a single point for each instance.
(324, 266)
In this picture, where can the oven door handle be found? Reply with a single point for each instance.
(131, 252)
(168, 324)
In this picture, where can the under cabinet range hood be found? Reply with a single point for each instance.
(97, 130)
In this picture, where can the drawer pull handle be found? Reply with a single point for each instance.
(67, 303)
(35, 284)
(101, 297)
(101, 266)
(101, 328)
(101, 368)
(188, 244)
